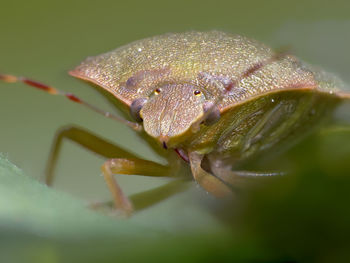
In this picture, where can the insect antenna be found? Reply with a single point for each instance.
(53, 91)
(228, 86)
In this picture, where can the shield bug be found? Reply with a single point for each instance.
(211, 99)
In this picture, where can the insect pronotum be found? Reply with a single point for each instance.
(207, 100)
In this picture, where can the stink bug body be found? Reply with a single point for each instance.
(211, 99)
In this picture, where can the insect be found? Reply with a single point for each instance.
(205, 100)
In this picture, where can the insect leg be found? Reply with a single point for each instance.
(335, 129)
(86, 139)
(153, 196)
(257, 174)
(124, 162)
(131, 167)
(234, 178)
(209, 182)
(70, 96)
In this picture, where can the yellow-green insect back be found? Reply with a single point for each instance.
(214, 98)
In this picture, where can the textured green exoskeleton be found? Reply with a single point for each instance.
(213, 97)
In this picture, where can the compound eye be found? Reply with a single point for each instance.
(157, 91)
(212, 112)
(197, 92)
(136, 107)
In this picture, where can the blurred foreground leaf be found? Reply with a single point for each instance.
(28, 205)
(40, 224)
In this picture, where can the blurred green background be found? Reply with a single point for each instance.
(44, 39)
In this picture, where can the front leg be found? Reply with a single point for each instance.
(131, 167)
(124, 162)
(209, 182)
(237, 178)
(223, 181)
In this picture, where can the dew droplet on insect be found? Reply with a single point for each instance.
(272, 100)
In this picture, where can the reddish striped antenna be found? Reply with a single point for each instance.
(71, 97)
(228, 85)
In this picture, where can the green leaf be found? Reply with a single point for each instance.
(32, 206)
(41, 224)
(36, 221)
